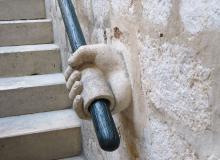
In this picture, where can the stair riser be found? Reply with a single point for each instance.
(42, 146)
(33, 100)
(25, 32)
(22, 9)
(29, 63)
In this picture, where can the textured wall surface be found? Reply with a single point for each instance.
(60, 37)
(174, 66)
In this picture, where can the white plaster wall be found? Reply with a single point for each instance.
(174, 65)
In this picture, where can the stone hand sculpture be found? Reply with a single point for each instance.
(98, 72)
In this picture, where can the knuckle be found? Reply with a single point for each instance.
(75, 75)
(77, 84)
(81, 49)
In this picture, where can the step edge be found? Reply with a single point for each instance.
(41, 131)
(26, 21)
(55, 79)
(28, 48)
(35, 126)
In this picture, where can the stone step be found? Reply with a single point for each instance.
(40, 136)
(75, 158)
(22, 9)
(29, 60)
(25, 32)
(32, 94)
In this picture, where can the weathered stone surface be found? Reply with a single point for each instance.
(53, 12)
(200, 15)
(29, 60)
(106, 77)
(173, 63)
(40, 136)
(157, 11)
(177, 84)
(164, 143)
(22, 9)
(24, 32)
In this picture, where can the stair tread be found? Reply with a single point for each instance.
(25, 21)
(26, 32)
(28, 48)
(22, 9)
(33, 94)
(29, 60)
(38, 123)
(11, 83)
(75, 158)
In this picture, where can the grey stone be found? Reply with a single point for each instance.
(40, 136)
(22, 9)
(24, 32)
(75, 158)
(30, 94)
(29, 60)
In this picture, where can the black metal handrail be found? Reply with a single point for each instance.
(103, 122)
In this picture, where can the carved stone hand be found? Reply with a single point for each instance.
(98, 72)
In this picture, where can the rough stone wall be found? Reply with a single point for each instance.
(60, 37)
(174, 65)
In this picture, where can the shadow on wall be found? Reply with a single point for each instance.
(127, 129)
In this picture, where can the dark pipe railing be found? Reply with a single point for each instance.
(104, 125)
(103, 122)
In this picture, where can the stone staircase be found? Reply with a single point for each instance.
(36, 121)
